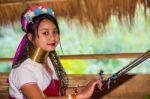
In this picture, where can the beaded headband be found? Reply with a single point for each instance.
(35, 11)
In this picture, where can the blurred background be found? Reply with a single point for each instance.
(87, 27)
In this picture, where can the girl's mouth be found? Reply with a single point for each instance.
(51, 44)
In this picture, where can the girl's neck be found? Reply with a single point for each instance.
(38, 55)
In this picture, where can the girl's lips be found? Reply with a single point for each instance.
(51, 44)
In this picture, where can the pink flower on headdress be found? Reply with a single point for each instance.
(33, 7)
(43, 6)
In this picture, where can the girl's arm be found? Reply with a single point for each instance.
(32, 91)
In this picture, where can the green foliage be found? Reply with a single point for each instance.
(5, 67)
(146, 97)
(71, 67)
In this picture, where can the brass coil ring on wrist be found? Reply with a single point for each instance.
(71, 96)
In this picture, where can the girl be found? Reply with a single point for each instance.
(37, 72)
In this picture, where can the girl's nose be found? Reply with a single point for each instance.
(51, 36)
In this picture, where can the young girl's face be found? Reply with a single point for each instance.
(47, 37)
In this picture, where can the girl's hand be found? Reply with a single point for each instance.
(88, 90)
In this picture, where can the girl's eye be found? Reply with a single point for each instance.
(55, 32)
(46, 33)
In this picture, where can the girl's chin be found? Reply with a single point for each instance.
(51, 49)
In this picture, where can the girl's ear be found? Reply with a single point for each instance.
(29, 35)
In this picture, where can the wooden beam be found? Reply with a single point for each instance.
(90, 56)
(101, 56)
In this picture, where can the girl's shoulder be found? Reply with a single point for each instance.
(26, 67)
(28, 71)
(28, 64)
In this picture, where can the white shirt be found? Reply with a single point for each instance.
(29, 72)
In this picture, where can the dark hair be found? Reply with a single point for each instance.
(32, 28)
